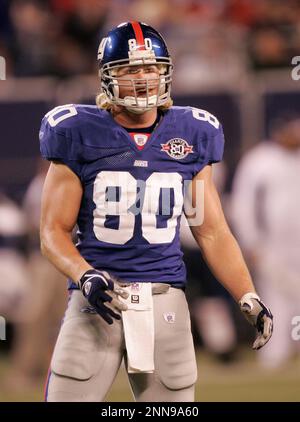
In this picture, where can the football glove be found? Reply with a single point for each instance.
(102, 291)
(260, 316)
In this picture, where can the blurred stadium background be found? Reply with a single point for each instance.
(232, 58)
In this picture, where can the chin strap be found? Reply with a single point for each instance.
(140, 105)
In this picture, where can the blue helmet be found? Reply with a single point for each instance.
(135, 44)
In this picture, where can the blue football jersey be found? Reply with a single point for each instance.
(128, 222)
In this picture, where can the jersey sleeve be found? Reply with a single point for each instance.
(210, 146)
(58, 143)
(215, 146)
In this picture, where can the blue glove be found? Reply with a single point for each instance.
(259, 315)
(100, 287)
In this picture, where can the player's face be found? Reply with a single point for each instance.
(138, 80)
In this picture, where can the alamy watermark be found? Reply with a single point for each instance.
(2, 328)
(296, 329)
(2, 69)
(295, 73)
(161, 195)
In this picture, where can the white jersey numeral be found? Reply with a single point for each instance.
(70, 110)
(127, 186)
(116, 194)
(204, 115)
(154, 184)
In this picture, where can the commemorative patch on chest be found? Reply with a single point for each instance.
(177, 148)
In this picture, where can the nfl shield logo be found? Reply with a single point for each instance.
(135, 287)
(169, 317)
(140, 138)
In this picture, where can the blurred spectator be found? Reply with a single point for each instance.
(215, 56)
(241, 12)
(271, 37)
(155, 11)
(35, 334)
(33, 37)
(5, 34)
(83, 29)
(5, 27)
(211, 41)
(71, 58)
(13, 269)
(84, 24)
(268, 48)
(266, 208)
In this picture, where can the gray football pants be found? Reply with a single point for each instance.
(89, 352)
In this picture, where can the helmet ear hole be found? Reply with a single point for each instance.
(106, 88)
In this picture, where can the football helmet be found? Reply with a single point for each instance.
(135, 44)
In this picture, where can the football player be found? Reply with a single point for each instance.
(119, 171)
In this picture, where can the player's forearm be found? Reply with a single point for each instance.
(223, 255)
(58, 248)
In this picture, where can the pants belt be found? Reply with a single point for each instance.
(159, 288)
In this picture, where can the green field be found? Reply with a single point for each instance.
(243, 380)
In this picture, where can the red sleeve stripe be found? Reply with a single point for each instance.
(138, 35)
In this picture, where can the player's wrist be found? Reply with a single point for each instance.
(81, 274)
(83, 278)
(248, 296)
(93, 279)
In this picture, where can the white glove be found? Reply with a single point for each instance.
(260, 316)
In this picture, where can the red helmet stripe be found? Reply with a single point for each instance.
(138, 35)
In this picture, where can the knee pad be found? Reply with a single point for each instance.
(176, 363)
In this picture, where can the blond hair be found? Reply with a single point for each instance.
(103, 102)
